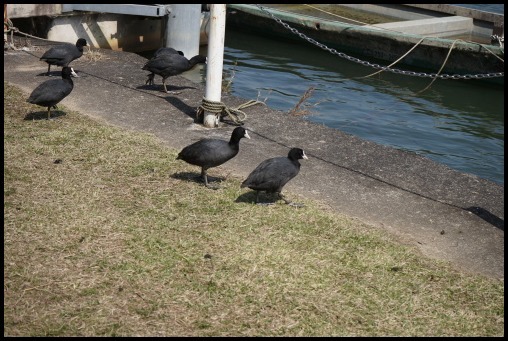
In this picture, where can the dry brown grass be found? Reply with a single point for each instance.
(92, 55)
(105, 234)
(301, 107)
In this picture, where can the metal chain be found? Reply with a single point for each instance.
(377, 66)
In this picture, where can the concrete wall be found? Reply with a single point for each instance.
(122, 32)
(435, 27)
(32, 10)
(110, 31)
(484, 23)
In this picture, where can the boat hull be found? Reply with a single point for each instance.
(374, 45)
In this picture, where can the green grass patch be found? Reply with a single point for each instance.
(105, 235)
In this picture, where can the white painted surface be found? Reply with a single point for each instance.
(183, 29)
(215, 60)
(435, 27)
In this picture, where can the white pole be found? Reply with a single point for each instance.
(183, 28)
(215, 60)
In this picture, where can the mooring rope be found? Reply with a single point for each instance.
(441, 69)
(8, 27)
(219, 108)
(386, 68)
(405, 54)
(398, 60)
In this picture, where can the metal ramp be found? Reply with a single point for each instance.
(142, 10)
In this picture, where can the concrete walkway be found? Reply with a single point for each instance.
(443, 213)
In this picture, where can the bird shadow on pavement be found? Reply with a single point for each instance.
(160, 87)
(56, 73)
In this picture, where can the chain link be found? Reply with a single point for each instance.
(377, 66)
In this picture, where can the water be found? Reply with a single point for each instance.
(494, 8)
(457, 123)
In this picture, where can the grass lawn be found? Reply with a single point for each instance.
(107, 234)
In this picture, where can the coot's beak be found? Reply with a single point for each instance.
(305, 156)
(246, 135)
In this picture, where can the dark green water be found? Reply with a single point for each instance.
(457, 123)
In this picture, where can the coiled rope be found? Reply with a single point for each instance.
(8, 27)
(219, 108)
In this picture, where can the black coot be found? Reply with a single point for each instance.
(159, 52)
(272, 174)
(166, 50)
(208, 153)
(62, 55)
(166, 65)
(52, 91)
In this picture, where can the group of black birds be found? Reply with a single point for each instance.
(51, 92)
(269, 176)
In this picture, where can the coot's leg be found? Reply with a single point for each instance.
(164, 83)
(169, 92)
(204, 175)
(290, 203)
(150, 80)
